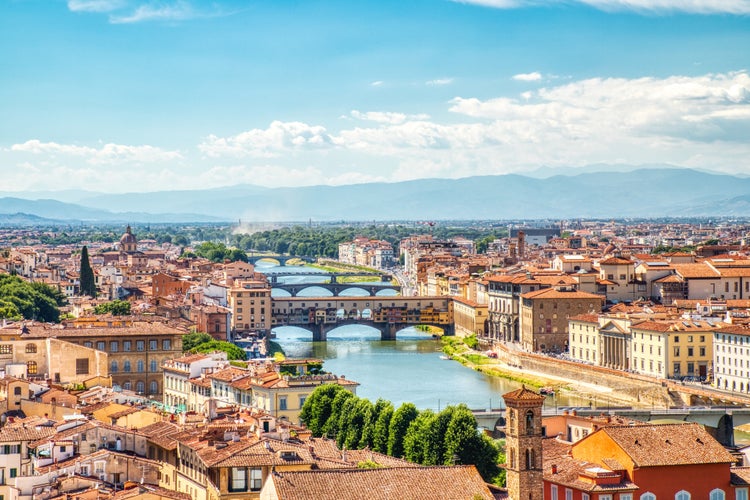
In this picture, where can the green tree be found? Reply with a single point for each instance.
(417, 436)
(88, 282)
(23, 300)
(115, 308)
(465, 445)
(192, 340)
(331, 427)
(357, 424)
(317, 408)
(233, 352)
(400, 422)
(380, 434)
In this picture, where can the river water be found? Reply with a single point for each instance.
(408, 369)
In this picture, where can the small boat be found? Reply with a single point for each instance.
(547, 391)
(443, 356)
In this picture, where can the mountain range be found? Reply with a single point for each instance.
(645, 192)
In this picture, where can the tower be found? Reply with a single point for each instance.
(128, 242)
(523, 444)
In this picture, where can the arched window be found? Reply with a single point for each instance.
(530, 459)
(648, 496)
(529, 422)
(682, 495)
(154, 366)
(140, 386)
(717, 494)
(127, 385)
(139, 365)
(153, 387)
(113, 367)
(30, 348)
(31, 367)
(126, 366)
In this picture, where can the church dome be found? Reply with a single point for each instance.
(128, 242)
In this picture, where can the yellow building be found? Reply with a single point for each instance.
(250, 303)
(469, 318)
(672, 349)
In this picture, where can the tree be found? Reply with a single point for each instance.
(400, 422)
(464, 444)
(22, 300)
(380, 434)
(234, 352)
(317, 408)
(88, 282)
(194, 339)
(115, 308)
(331, 427)
(417, 435)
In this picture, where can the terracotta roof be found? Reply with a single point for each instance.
(415, 483)
(615, 261)
(561, 468)
(585, 318)
(696, 271)
(523, 394)
(551, 293)
(669, 444)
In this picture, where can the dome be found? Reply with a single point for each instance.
(127, 241)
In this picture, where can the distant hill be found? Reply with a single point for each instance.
(647, 192)
(20, 219)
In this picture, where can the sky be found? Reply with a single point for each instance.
(142, 95)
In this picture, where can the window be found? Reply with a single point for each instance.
(139, 366)
(237, 479)
(626, 496)
(682, 495)
(31, 368)
(30, 348)
(126, 366)
(740, 494)
(82, 366)
(154, 366)
(282, 403)
(153, 345)
(140, 345)
(702, 351)
(140, 387)
(676, 351)
(648, 496)
(553, 492)
(529, 423)
(127, 386)
(13, 472)
(716, 494)
(84, 470)
(585, 496)
(605, 497)
(16, 391)
(88, 344)
(113, 346)
(126, 345)
(676, 368)
(690, 351)
(166, 345)
(100, 345)
(6, 349)
(568, 494)
(113, 367)
(153, 387)
(256, 479)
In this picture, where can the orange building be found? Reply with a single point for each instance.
(642, 462)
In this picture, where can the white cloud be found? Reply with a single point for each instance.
(653, 6)
(106, 154)
(95, 5)
(277, 138)
(386, 116)
(177, 11)
(528, 77)
(376, 83)
(439, 82)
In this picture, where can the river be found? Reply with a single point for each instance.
(408, 369)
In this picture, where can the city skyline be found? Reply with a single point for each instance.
(120, 95)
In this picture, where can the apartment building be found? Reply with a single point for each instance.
(731, 362)
(250, 303)
(673, 349)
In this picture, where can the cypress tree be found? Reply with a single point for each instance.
(88, 283)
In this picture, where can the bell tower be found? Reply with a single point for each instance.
(523, 444)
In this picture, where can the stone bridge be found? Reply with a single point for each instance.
(387, 314)
(336, 288)
(281, 259)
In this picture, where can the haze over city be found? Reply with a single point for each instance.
(122, 96)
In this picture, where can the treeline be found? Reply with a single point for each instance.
(449, 437)
(324, 241)
(181, 235)
(217, 252)
(20, 299)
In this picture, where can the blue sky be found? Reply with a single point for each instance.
(138, 95)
